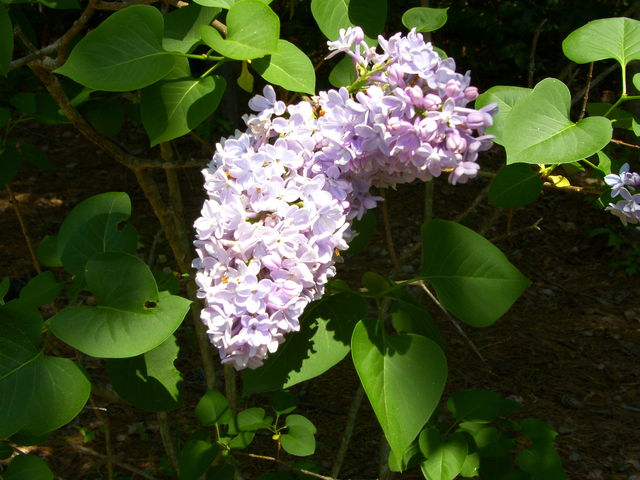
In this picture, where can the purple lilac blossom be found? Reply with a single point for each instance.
(625, 184)
(283, 194)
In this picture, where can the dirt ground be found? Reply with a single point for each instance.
(568, 349)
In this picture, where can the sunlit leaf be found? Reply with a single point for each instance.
(332, 15)
(617, 38)
(403, 376)
(505, 97)
(289, 67)
(299, 438)
(444, 457)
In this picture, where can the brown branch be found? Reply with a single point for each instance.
(348, 431)
(284, 464)
(107, 438)
(585, 100)
(113, 6)
(115, 461)
(14, 202)
(513, 233)
(620, 142)
(481, 196)
(595, 82)
(167, 439)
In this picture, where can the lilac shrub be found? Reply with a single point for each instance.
(625, 184)
(282, 195)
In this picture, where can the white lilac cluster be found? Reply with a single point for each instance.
(625, 184)
(282, 195)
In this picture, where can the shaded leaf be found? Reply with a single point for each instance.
(480, 405)
(213, 409)
(332, 15)
(182, 27)
(41, 290)
(29, 467)
(424, 19)
(9, 164)
(444, 458)
(515, 185)
(196, 455)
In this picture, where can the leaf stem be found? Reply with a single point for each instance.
(205, 56)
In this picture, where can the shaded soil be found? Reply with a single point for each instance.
(568, 349)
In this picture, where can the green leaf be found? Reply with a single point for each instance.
(6, 40)
(300, 437)
(182, 27)
(106, 116)
(410, 458)
(289, 67)
(196, 456)
(322, 342)
(515, 185)
(343, 73)
(5, 116)
(470, 466)
(9, 164)
(173, 107)
(332, 15)
(424, 19)
(538, 129)
(252, 31)
(245, 80)
(123, 53)
(375, 283)
(480, 405)
(283, 402)
(149, 381)
(92, 228)
(41, 290)
(35, 156)
(213, 409)
(506, 97)
(472, 278)
(29, 467)
(38, 393)
(537, 431)
(48, 252)
(226, 4)
(619, 118)
(617, 38)
(249, 420)
(409, 316)
(542, 462)
(5, 451)
(242, 440)
(40, 106)
(131, 318)
(403, 376)
(444, 458)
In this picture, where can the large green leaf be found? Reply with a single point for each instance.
(182, 27)
(424, 19)
(515, 185)
(506, 97)
(538, 128)
(617, 38)
(38, 393)
(252, 31)
(92, 228)
(290, 68)
(403, 376)
(131, 317)
(213, 409)
(322, 342)
(444, 458)
(149, 381)
(178, 104)
(472, 278)
(196, 455)
(28, 467)
(332, 15)
(123, 53)
(6, 40)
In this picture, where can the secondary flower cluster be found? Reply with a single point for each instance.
(282, 195)
(623, 184)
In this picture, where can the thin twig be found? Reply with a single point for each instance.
(585, 99)
(479, 198)
(620, 142)
(532, 57)
(116, 462)
(595, 82)
(14, 201)
(284, 464)
(167, 439)
(387, 233)
(454, 322)
(348, 431)
(113, 6)
(202, 141)
(534, 226)
(107, 438)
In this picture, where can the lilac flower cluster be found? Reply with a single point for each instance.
(282, 195)
(623, 184)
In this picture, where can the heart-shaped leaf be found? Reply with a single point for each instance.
(617, 38)
(252, 31)
(213, 409)
(131, 318)
(403, 376)
(197, 454)
(424, 19)
(290, 68)
(472, 278)
(178, 104)
(322, 342)
(149, 381)
(38, 393)
(538, 128)
(29, 467)
(123, 53)
(444, 458)
(300, 437)
(506, 97)
(92, 228)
